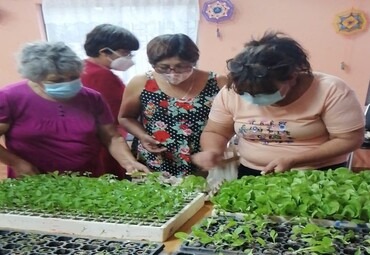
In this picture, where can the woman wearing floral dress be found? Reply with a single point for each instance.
(166, 109)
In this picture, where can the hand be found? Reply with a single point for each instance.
(279, 165)
(135, 166)
(152, 145)
(22, 168)
(207, 159)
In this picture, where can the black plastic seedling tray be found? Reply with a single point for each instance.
(182, 253)
(27, 243)
(282, 245)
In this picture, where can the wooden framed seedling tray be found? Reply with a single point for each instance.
(102, 227)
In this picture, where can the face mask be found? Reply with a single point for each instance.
(263, 99)
(63, 90)
(122, 63)
(176, 78)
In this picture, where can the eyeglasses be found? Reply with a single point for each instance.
(256, 70)
(177, 68)
(125, 54)
(128, 55)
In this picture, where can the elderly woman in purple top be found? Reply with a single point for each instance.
(50, 122)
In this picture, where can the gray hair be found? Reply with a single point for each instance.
(39, 59)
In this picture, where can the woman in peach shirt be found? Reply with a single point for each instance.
(285, 116)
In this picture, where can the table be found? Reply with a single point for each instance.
(173, 244)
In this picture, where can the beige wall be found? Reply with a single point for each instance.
(310, 22)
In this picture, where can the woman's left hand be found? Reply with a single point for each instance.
(279, 165)
(134, 166)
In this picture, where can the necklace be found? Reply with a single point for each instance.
(185, 97)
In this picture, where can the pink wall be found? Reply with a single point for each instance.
(19, 23)
(309, 22)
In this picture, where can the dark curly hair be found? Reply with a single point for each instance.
(274, 57)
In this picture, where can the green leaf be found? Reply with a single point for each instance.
(238, 242)
(261, 241)
(358, 252)
(181, 235)
(332, 207)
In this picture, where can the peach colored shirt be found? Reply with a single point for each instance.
(269, 132)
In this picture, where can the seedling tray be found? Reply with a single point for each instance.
(283, 219)
(227, 236)
(99, 207)
(37, 243)
(106, 227)
(337, 195)
(183, 253)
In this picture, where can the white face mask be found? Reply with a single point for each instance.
(122, 63)
(263, 99)
(176, 78)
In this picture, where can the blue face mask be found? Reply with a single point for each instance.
(263, 99)
(63, 90)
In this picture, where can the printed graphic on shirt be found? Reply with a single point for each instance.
(266, 132)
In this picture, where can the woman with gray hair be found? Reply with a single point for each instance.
(51, 122)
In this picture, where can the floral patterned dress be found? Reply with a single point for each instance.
(177, 124)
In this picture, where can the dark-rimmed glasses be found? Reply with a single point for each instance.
(256, 70)
(183, 68)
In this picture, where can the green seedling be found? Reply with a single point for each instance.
(273, 234)
(334, 194)
(74, 195)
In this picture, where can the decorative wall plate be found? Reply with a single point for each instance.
(350, 22)
(217, 11)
